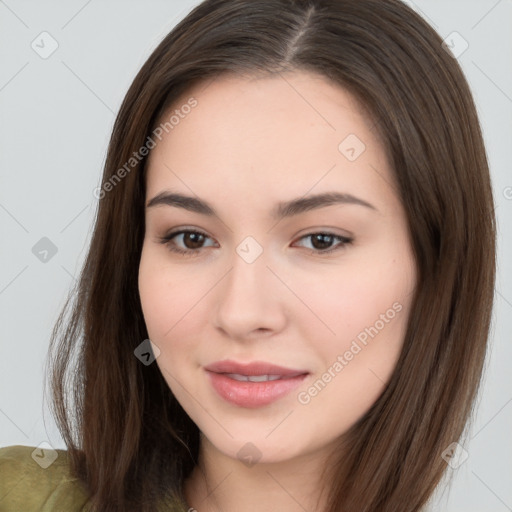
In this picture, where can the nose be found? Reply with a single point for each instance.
(250, 301)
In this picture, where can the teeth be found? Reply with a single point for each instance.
(252, 378)
(236, 376)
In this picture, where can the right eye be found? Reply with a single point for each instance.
(191, 240)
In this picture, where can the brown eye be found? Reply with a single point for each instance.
(322, 243)
(193, 240)
(186, 241)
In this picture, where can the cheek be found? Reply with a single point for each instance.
(158, 305)
(174, 305)
(359, 301)
(366, 305)
(354, 364)
(163, 307)
(166, 296)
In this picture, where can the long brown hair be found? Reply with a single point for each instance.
(128, 438)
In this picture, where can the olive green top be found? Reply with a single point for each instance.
(37, 479)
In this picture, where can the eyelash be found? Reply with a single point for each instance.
(167, 240)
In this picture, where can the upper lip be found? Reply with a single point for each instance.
(253, 368)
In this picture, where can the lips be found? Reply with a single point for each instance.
(254, 384)
(255, 368)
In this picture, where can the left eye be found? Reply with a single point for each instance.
(322, 242)
(193, 242)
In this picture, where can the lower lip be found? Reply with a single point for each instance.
(253, 394)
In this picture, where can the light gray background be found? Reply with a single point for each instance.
(56, 117)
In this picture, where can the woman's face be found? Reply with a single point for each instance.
(279, 271)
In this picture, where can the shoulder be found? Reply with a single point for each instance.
(34, 478)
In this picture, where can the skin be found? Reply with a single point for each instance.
(247, 145)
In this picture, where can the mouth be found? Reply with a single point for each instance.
(253, 385)
(252, 378)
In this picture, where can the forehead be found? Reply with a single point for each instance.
(290, 132)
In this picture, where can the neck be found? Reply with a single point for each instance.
(221, 483)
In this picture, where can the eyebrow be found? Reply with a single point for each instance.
(282, 210)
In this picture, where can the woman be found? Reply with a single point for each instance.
(296, 210)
